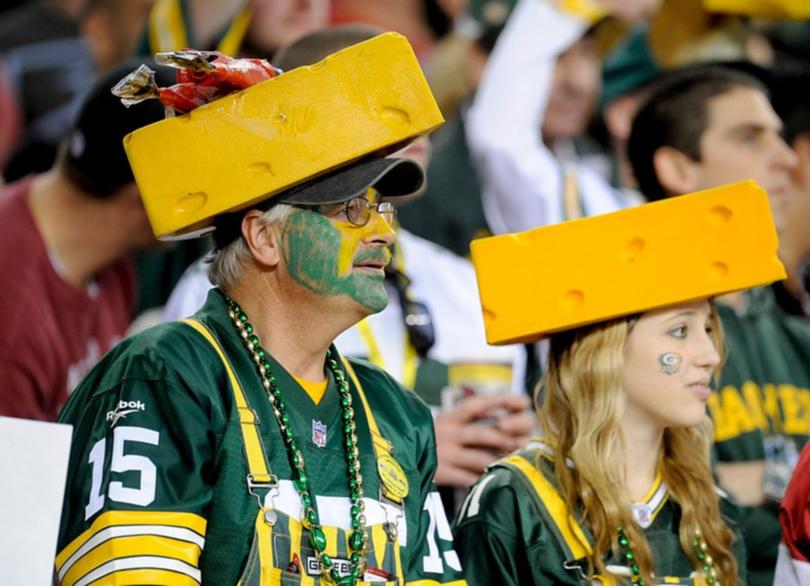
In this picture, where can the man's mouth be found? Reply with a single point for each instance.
(373, 263)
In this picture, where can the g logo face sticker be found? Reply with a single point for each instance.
(670, 362)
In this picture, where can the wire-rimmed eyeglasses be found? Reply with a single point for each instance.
(358, 211)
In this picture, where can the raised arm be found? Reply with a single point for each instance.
(522, 182)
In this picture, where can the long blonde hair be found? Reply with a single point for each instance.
(581, 401)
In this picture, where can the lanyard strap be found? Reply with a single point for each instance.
(410, 361)
(167, 28)
(258, 467)
(571, 201)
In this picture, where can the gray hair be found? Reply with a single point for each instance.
(226, 266)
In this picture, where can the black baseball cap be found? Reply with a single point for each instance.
(390, 176)
(95, 158)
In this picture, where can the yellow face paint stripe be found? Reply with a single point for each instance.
(126, 547)
(569, 528)
(114, 518)
(137, 577)
(167, 31)
(352, 235)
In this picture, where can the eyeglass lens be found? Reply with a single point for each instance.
(358, 211)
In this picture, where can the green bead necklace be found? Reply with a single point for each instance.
(310, 519)
(701, 551)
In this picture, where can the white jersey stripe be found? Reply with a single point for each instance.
(140, 563)
(129, 531)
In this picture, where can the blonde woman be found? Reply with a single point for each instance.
(619, 489)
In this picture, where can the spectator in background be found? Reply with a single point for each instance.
(627, 72)
(430, 337)
(407, 17)
(65, 237)
(255, 28)
(451, 213)
(537, 93)
(38, 21)
(700, 128)
(794, 240)
(523, 132)
(50, 53)
(793, 564)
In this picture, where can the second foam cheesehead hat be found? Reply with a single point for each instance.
(249, 146)
(677, 250)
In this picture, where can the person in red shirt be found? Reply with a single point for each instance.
(67, 292)
(793, 564)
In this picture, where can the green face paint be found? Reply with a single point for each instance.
(319, 256)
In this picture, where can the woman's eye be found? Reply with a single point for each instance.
(679, 332)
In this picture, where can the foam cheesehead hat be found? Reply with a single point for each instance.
(317, 128)
(672, 251)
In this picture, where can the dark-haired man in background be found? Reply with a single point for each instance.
(700, 128)
(65, 235)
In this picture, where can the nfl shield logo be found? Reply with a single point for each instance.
(318, 433)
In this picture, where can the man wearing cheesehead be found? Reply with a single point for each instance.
(699, 128)
(238, 446)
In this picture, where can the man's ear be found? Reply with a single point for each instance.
(677, 172)
(801, 145)
(263, 240)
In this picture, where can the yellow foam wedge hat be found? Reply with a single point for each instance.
(681, 249)
(251, 145)
(791, 9)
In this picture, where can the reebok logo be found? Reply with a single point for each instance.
(123, 409)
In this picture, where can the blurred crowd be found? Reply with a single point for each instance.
(545, 122)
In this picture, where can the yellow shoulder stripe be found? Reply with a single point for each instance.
(175, 525)
(569, 528)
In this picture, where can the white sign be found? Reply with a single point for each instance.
(33, 467)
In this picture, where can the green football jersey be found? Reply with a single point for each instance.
(157, 488)
(512, 529)
(761, 411)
